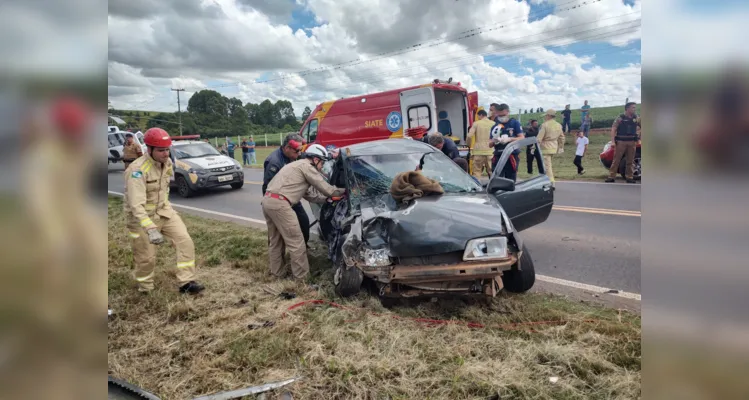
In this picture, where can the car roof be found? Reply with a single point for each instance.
(388, 146)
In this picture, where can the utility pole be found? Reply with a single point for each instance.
(179, 109)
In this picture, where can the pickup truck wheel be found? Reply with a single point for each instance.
(237, 185)
(347, 280)
(183, 188)
(520, 280)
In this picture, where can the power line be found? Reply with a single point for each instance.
(441, 57)
(418, 46)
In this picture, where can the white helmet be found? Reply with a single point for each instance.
(316, 150)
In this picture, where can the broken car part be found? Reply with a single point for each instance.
(235, 394)
(118, 389)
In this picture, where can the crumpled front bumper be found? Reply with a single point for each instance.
(465, 271)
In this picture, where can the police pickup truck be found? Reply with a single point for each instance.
(199, 166)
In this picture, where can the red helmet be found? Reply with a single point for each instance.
(70, 115)
(157, 137)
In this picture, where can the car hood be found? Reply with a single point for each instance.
(432, 224)
(209, 162)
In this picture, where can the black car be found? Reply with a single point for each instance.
(463, 241)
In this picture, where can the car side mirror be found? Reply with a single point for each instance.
(499, 183)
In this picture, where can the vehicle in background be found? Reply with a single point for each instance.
(440, 106)
(463, 241)
(116, 139)
(199, 166)
(607, 158)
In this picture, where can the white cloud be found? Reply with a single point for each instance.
(239, 41)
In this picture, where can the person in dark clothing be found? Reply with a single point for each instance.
(447, 146)
(288, 152)
(567, 113)
(624, 137)
(531, 151)
(505, 131)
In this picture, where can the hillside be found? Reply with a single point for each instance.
(600, 115)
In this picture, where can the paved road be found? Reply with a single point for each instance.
(587, 239)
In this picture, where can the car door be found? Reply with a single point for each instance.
(529, 202)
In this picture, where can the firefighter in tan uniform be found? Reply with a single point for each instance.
(131, 150)
(150, 216)
(297, 180)
(482, 151)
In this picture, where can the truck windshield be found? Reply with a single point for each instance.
(373, 175)
(194, 150)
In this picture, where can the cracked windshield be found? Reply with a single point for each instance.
(374, 174)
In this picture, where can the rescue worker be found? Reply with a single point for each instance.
(151, 218)
(131, 150)
(300, 179)
(506, 130)
(481, 153)
(550, 140)
(289, 151)
(624, 138)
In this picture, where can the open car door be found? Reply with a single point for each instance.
(331, 172)
(527, 203)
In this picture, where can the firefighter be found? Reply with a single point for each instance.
(151, 218)
(131, 150)
(624, 137)
(297, 180)
(290, 150)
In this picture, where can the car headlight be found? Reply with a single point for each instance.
(492, 248)
(197, 171)
(376, 258)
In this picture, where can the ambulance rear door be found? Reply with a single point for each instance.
(417, 108)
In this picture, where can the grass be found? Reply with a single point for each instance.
(182, 347)
(563, 167)
(597, 114)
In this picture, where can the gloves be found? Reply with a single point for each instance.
(155, 237)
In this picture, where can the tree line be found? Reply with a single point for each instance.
(211, 114)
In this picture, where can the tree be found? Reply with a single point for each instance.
(541, 109)
(526, 111)
(306, 113)
(285, 111)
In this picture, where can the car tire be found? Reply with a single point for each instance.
(637, 168)
(237, 185)
(347, 280)
(183, 188)
(520, 280)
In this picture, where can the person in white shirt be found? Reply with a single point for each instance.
(582, 147)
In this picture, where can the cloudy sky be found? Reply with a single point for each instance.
(527, 53)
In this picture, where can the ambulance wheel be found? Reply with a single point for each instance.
(237, 185)
(183, 188)
(520, 280)
(347, 280)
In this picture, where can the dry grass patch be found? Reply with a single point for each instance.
(181, 347)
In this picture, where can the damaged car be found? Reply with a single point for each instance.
(465, 240)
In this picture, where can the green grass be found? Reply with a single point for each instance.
(597, 114)
(182, 347)
(563, 167)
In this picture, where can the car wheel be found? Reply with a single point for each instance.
(347, 280)
(520, 280)
(183, 188)
(237, 185)
(636, 168)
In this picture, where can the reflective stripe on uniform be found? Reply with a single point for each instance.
(134, 235)
(146, 166)
(146, 221)
(145, 278)
(186, 264)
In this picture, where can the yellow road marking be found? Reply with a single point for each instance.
(624, 213)
(253, 183)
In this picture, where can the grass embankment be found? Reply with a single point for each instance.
(181, 347)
